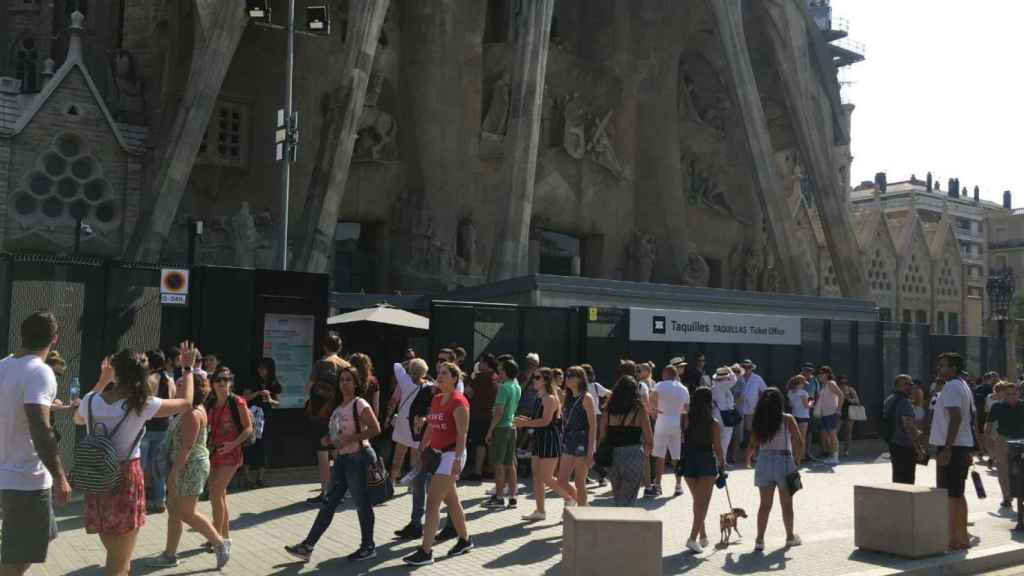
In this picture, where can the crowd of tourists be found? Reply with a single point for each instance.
(164, 429)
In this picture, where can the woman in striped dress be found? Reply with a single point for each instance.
(579, 435)
(547, 441)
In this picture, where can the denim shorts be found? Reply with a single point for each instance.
(830, 423)
(574, 443)
(772, 468)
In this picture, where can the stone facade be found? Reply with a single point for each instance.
(69, 172)
(969, 221)
(640, 112)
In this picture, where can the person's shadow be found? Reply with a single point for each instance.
(755, 562)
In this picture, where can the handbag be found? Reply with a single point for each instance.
(430, 459)
(379, 487)
(794, 483)
(858, 413)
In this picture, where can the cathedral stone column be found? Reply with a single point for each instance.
(533, 29)
(787, 31)
(729, 18)
(219, 25)
(656, 47)
(315, 234)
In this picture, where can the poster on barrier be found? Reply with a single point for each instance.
(289, 340)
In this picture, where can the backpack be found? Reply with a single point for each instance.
(886, 430)
(237, 419)
(328, 371)
(421, 408)
(96, 468)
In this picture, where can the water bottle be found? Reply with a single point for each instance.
(75, 389)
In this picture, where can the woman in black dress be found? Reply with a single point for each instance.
(261, 395)
(546, 424)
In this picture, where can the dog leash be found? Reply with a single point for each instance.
(728, 498)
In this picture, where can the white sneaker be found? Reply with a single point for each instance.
(570, 503)
(794, 541)
(537, 516)
(694, 546)
(704, 541)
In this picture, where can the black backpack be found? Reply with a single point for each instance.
(420, 408)
(887, 420)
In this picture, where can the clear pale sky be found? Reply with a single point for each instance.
(941, 89)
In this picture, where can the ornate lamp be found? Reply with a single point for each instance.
(1001, 286)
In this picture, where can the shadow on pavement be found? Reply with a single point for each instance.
(749, 562)
(248, 519)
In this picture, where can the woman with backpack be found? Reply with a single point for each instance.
(230, 427)
(190, 467)
(409, 383)
(115, 413)
(353, 424)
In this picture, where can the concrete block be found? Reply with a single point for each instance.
(900, 519)
(613, 541)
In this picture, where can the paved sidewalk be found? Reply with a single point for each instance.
(263, 521)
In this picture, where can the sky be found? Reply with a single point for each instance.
(941, 89)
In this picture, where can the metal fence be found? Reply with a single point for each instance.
(100, 307)
(871, 354)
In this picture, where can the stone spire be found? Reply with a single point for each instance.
(75, 30)
(48, 70)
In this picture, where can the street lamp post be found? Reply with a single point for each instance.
(286, 138)
(1001, 286)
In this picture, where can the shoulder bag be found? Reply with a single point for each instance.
(794, 483)
(379, 487)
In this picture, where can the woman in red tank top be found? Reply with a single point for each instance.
(447, 425)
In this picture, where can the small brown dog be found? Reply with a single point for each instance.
(729, 523)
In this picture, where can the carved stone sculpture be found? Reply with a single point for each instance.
(244, 237)
(602, 149)
(697, 272)
(641, 254)
(704, 190)
(467, 247)
(496, 120)
(127, 87)
(575, 139)
(376, 128)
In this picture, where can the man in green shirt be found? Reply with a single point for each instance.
(501, 437)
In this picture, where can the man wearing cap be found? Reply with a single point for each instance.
(753, 386)
(724, 404)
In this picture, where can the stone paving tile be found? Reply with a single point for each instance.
(263, 521)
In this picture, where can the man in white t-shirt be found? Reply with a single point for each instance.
(953, 440)
(753, 386)
(671, 401)
(29, 457)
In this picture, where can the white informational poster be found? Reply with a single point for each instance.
(289, 340)
(653, 325)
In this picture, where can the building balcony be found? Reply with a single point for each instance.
(1006, 244)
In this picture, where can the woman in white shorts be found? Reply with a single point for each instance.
(444, 442)
(409, 385)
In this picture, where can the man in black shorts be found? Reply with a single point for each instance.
(30, 465)
(953, 441)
